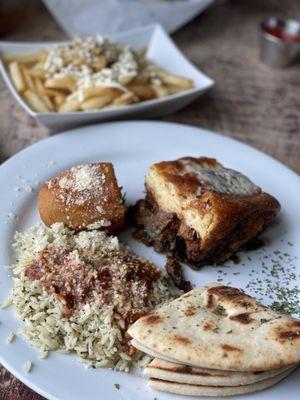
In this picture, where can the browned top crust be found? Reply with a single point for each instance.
(195, 176)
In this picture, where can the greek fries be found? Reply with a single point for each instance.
(89, 74)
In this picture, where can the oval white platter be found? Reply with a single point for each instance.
(132, 147)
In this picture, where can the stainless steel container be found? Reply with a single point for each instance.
(280, 42)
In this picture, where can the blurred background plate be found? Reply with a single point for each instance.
(108, 15)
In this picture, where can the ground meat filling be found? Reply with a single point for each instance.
(165, 232)
(80, 276)
(174, 269)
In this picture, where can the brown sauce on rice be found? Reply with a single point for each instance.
(77, 277)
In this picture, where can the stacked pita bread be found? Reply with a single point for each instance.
(217, 341)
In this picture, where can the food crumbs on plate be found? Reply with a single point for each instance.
(43, 355)
(276, 280)
(29, 189)
(28, 366)
(12, 216)
(10, 337)
(6, 304)
(117, 386)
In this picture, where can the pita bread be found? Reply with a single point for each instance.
(167, 371)
(214, 391)
(219, 327)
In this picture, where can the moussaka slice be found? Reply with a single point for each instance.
(200, 211)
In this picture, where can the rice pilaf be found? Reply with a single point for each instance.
(91, 320)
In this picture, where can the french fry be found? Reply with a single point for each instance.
(37, 71)
(142, 78)
(124, 99)
(95, 103)
(22, 58)
(62, 82)
(71, 104)
(160, 90)
(43, 56)
(54, 92)
(35, 102)
(27, 78)
(174, 80)
(17, 76)
(59, 100)
(40, 89)
(88, 92)
(125, 80)
(144, 92)
(173, 89)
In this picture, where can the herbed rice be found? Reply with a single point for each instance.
(90, 331)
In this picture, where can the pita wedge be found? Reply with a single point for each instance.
(172, 372)
(214, 391)
(219, 327)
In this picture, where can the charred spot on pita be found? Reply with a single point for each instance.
(243, 318)
(153, 319)
(190, 310)
(226, 291)
(289, 335)
(290, 332)
(232, 294)
(207, 326)
(228, 347)
(210, 301)
(182, 339)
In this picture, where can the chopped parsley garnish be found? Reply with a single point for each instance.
(117, 386)
(264, 320)
(220, 310)
(216, 329)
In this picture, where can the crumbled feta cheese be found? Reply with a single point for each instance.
(79, 58)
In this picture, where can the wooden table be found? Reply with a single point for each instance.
(250, 102)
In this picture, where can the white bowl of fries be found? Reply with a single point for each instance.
(63, 86)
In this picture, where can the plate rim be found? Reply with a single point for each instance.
(79, 131)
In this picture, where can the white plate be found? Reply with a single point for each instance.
(161, 49)
(132, 147)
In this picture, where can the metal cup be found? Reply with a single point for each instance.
(279, 52)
